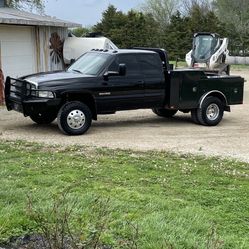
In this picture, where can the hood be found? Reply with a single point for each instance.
(54, 77)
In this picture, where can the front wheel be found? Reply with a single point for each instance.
(164, 112)
(74, 118)
(211, 112)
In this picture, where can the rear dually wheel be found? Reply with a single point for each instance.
(210, 113)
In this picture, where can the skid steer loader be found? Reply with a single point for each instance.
(209, 52)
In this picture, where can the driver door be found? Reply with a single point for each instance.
(123, 92)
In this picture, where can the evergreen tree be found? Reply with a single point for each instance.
(112, 25)
(82, 32)
(178, 37)
(128, 30)
(179, 33)
(140, 30)
(204, 21)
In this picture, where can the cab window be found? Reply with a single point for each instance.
(132, 67)
(151, 64)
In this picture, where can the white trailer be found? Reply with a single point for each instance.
(74, 47)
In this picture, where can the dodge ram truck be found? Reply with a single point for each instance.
(106, 81)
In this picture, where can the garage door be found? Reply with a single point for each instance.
(17, 52)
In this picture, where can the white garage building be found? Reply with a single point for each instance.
(30, 43)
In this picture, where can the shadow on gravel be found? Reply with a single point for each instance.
(33, 128)
(144, 121)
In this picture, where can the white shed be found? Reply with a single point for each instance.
(30, 43)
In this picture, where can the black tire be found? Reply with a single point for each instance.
(211, 112)
(164, 112)
(43, 118)
(194, 116)
(74, 118)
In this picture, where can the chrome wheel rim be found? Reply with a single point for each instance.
(76, 119)
(213, 112)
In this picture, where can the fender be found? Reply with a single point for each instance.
(214, 93)
(76, 95)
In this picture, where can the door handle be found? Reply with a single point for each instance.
(104, 84)
(140, 81)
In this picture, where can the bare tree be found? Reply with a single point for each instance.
(188, 5)
(161, 10)
(23, 4)
(235, 14)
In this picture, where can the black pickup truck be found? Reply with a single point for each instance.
(105, 81)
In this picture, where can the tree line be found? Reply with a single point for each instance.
(170, 24)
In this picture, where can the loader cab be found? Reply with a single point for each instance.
(204, 46)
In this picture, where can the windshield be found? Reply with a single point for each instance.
(204, 47)
(89, 63)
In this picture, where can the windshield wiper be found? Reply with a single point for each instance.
(78, 71)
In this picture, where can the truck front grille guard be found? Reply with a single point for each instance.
(14, 89)
(18, 90)
(17, 87)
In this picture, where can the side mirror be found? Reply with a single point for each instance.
(122, 69)
(109, 74)
(121, 72)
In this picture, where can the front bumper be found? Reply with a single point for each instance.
(33, 106)
(19, 99)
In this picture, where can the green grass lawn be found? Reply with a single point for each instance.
(157, 199)
(239, 67)
(180, 64)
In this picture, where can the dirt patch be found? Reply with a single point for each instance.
(25, 242)
(37, 242)
(143, 130)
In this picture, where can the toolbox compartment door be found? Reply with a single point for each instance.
(184, 89)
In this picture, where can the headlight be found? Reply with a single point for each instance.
(45, 94)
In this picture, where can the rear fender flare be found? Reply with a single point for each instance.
(214, 93)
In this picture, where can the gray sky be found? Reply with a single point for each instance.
(86, 12)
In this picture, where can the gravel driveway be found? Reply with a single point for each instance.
(143, 130)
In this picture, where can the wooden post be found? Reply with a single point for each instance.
(1, 81)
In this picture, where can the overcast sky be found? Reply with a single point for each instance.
(86, 12)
